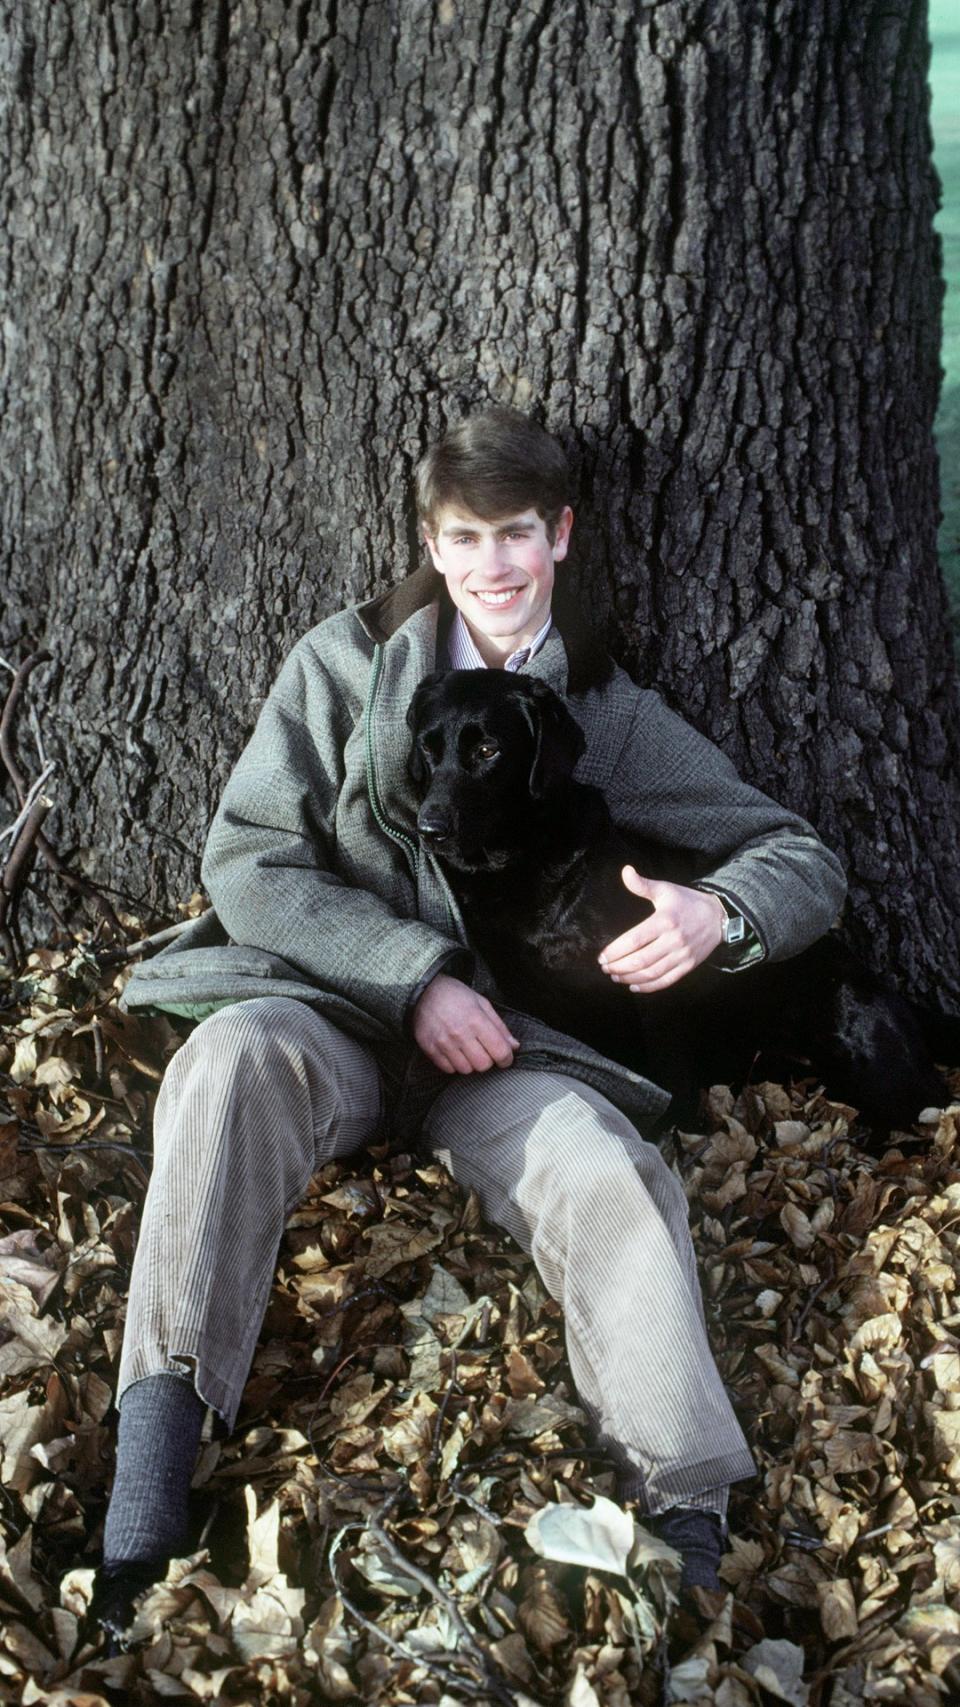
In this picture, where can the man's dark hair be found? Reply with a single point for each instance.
(492, 464)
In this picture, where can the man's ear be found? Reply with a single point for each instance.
(431, 545)
(558, 738)
(561, 537)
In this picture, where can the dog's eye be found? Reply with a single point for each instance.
(430, 745)
(487, 750)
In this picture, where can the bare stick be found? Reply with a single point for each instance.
(432, 1588)
(130, 949)
(14, 875)
(13, 829)
(6, 719)
(436, 1664)
(45, 848)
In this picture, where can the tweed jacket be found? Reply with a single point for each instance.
(321, 889)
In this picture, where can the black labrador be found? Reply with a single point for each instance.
(535, 862)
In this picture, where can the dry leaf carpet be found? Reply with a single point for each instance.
(362, 1534)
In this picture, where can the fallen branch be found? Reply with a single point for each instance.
(17, 686)
(14, 876)
(128, 951)
(13, 830)
(38, 843)
(447, 1667)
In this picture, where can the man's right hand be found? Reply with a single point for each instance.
(459, 1030)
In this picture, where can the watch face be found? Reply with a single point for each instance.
(735, 929)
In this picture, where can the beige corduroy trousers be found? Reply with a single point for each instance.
(264, 1092)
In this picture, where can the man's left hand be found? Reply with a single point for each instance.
(685, 926)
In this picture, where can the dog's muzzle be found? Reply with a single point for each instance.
(434, 826)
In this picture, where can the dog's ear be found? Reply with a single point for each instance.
(416, 769)
(416, 713)
(417, 707)
(558, 738)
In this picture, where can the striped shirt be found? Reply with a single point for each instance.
(463, 654)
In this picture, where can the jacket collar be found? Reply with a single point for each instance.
(382, 616)
(572, 659)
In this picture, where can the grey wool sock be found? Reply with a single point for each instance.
(160, 1422)
(698, 1537)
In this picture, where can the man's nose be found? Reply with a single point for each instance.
(494, 557)
(434, 825)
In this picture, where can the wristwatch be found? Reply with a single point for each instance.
(734, 927)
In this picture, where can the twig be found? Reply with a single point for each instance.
(440, 1668)
(432, 1588)
(98, 1062)
(808, 1306)
(332, 1377)
(83, 1144)
(14, 876)
(452, 1386)
(45, 848)
(35, 788)
(468, 1499)
(20, 678)
(128, 950)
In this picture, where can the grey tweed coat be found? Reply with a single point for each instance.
(322, 891)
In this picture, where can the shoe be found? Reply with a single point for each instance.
(117, 1587)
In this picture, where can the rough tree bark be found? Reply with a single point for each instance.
(256, 254)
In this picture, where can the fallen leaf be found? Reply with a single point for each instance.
(598, 1537)
(778, 1667)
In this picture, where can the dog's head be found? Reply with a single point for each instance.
(488, 746)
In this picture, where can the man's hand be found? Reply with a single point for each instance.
(460, 1031)
(685, 926)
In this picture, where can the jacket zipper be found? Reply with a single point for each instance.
(373, 796)
(413, 848)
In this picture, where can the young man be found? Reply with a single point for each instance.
(333, 968)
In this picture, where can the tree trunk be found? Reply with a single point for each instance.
(259, 254)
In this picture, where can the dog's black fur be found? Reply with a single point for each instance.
(536, 862)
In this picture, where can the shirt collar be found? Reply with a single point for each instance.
(463, 654)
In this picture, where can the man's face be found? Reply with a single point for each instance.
(499, 574)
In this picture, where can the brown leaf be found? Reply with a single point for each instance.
(510, 1652)
(797, 1227)
(522, 1377)
(409, 1429)
(541, 1613)
(848, 1451)
(838, 1609)
(394, 1242)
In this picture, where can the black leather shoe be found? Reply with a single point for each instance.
(117, 1586)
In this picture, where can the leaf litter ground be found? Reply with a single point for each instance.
(409, 1509)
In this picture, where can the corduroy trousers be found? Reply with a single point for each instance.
(264, 1092)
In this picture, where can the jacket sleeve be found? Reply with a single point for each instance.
(673, 786)
(270, 864)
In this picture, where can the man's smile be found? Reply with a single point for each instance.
(494, 600)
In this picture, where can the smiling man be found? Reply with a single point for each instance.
(340, 999)
(500, 576)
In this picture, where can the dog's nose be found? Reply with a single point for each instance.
(433, 826)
